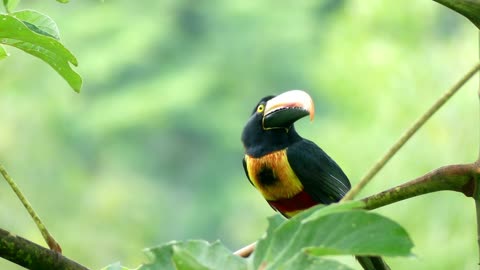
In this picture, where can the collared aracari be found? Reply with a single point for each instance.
(292, 173)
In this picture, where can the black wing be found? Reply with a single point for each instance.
(246, 171)
(321, 177)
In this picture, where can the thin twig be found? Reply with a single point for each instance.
(46, 235)
(246, 250)
(408, 134)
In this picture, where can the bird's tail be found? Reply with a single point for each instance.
(372, 263)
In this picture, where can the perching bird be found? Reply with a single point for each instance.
(292, 173)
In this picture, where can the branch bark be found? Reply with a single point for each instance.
(476, 196)
(246, 251)
(32, 256)
(461, 178)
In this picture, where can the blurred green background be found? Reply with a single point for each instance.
(150, 150)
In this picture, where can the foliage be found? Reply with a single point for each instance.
(38, 35)
(299, 243)
(468, 8)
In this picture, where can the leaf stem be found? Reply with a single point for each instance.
(409, 133)
(46, 235)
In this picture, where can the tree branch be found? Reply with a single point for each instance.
(460, 178)
(477, 212)
(32, 256)
(476, 196)
(246, 250)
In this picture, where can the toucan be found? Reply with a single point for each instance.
(290, 172)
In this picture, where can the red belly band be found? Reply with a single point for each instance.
(300, 201)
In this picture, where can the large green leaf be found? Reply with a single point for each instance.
(468, 8)
(115, 266)
(263, 246)
(15, 33)
(10, 5)
(304, 261)
(38, 22)
(270, 244)
(184, 260)
(297, 244)
(193, 255)
(3, 53)
(332, 230)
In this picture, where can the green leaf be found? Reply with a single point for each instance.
(303, 261)
(184, 260)
(10, 5)
(38, 22)
(300, 243)
(337, 229)
(115, 266)
(192, 255)
(265, 247)
(3, 53)
(361, 233)
(333, 208)
(468, 8)
(63, 1)
(264, 244)
(15, 33)
(160, 257)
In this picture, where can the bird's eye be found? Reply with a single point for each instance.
(260, 108)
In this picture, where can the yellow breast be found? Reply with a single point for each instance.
(282, 182)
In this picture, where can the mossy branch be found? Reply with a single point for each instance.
(460, 178)
(32, 256)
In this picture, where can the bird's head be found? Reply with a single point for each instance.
(270, 127)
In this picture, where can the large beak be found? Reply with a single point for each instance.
(283, 110)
